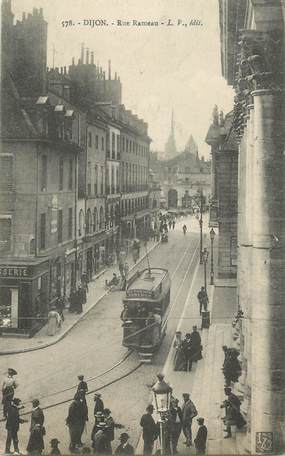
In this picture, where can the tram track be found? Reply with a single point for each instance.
(120, 370)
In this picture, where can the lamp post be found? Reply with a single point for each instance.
(205, 261)
(212, 237)
(162, 395)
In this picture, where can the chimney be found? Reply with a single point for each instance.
(87, 56)
(109, 70)
(82, 53)
(79, 61)
(61, 70)
(104, 75)
(92, 58)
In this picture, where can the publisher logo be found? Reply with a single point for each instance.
(264, 442)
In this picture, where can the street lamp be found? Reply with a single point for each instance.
(162, 395)
(205, 261)
(212, 237)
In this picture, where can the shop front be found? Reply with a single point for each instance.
(23, 297)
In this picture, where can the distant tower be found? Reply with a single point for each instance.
(170, 146)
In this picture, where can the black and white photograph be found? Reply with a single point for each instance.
(142, 227)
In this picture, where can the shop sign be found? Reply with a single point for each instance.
(12, 271)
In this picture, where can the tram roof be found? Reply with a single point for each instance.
(148, 281)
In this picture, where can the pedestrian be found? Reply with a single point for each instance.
(126, 269)
(170, 225)
(196, 346)
(54, 322)
(121, 267)
(189, 412)
(82, 293)
(150, 433)
(201, 437)
(82, 385)
(187, 352)
(100, 443)
(36, 440)
(203, 299)
(79, 300)
(73, 300)
(54, 447)
(125, 447)
(179, 357)
(184, 228)
(85, 281)
(175, 414)
(84, 413)
(60, 307)
(98, 403)
(12, 426)
(74, 421)
(110, 427)
(37, 416)
(8, 389)
(233, 415)
(173, 224)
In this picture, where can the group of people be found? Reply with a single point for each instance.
(102, 432)
(188, 350)
(178, 419)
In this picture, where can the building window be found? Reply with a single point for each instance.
(123, 144)
(44, 174)
(59, 226)
(61, 173)
(96, 180)
(101, 218)
(70, 174)
(102, 143)
(127, 145)
(43, 232)
(70, 224)
(113, 145)
(89, 178)
(97, 141)
(81, 223)
(89, 139)
(95, 219)
(102, 180)
(118, 143)
(88, 221)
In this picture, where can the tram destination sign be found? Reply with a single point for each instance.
(136, 293)
(14, 271)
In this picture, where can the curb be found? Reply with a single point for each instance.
(64, 333)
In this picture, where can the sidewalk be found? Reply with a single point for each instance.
(97, 290)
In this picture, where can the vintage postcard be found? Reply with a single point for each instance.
(142, 227)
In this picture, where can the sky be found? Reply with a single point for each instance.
(161, 68)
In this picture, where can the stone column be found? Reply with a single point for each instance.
(268, 276)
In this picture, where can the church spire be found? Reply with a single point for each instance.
(170, 146)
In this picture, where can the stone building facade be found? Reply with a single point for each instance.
(252, 44)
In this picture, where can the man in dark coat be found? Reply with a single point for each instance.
(125, 447)
(79, 300)
(196, 347)
(233, 415)
(98, 403)
(149, 430)
(187, 352)
(189, 412)
(203, 299)
(36, 440)
(75, 421)
(175, 418)
(73, 300)
(201, 437)
(110, 427)
(12, 425)
(82, 385)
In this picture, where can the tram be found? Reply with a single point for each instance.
(145, 311)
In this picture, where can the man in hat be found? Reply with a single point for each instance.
(203, 299)
(54, 447)
(12, 425)
(110, 429)
(74, 421)
(37, 416)
(150, 431)
(125, 447)
(98, 403)
(233, 415)
(201, 437)
(8, 388)
(175, 422)
(189, 412)
(187, 352)
(82, 385)
(196, 347)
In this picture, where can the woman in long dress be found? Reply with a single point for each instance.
(54, 322)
